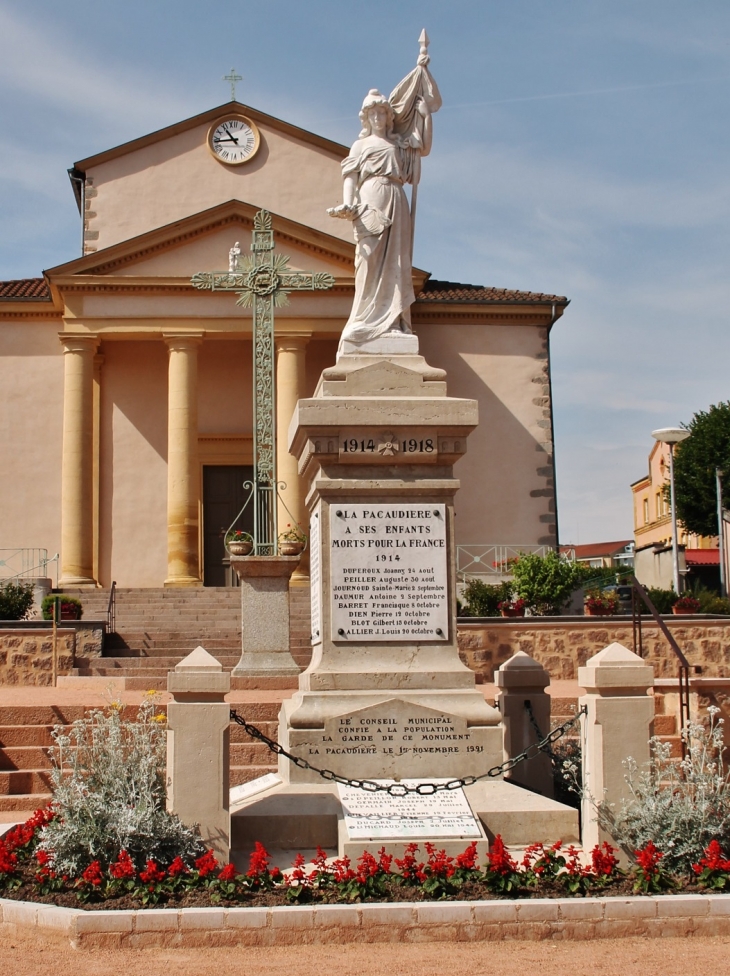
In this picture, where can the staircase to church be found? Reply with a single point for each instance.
(25, 740)
(156, 627)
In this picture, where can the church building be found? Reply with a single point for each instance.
(127, 420)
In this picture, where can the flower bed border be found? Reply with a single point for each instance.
(478, 921)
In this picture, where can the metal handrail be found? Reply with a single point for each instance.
(640, 595)
(485, 559)
(111, 609)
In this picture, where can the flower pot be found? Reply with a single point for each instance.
(595, 612)
(512, 612)
(290, 548)
(70, 613)
(241, 548)
(680, 612)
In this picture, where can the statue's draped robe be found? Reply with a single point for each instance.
(383, 281)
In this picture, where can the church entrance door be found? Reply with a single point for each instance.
(223, 498)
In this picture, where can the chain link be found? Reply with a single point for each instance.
(401, 789)
(554, 757)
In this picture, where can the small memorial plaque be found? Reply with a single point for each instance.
(380, 815)
(389, 572)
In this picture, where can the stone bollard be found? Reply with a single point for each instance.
(198, 747)
(522, 679)
(617, 726)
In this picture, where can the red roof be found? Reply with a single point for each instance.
(454, 291)
(595, 549)
(35, 289)
(702, 557)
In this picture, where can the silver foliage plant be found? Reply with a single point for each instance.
(679, 805)
(109, 795)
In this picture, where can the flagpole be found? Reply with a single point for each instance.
(423, 51)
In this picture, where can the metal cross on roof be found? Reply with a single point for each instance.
(263, 281)
(233, 78)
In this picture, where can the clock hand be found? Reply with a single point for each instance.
(229, 139)
(230, 135)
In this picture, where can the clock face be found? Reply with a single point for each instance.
(234, 141)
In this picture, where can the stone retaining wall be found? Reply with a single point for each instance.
(563, 644)
(26, 655)
(478, 921)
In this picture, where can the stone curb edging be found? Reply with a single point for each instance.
(489, 921)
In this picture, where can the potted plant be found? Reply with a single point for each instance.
(291, 541)
(512, 608)
(239, 543)
(599, 604)
(686, 604)
(70, 607)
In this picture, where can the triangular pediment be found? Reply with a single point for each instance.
(202, 242)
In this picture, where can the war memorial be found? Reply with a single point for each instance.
(388, 740)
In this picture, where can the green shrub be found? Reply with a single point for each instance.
(108, 780)
(482, 599)
(710, 602)
(663, 600)
(16, 599)
(547, 582)
(64, 601)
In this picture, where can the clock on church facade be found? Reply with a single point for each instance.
(234, 140)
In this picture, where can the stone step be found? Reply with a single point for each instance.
(25, 735)
(16, 781)
(28, 802)
(15, 758)
(244, 774)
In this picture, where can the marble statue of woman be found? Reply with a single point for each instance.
(380, 163)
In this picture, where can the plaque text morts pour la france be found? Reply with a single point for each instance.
(388, 572)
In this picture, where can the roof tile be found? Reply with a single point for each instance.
(454, 291)
(25, 289)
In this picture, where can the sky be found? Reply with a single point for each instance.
(582, 150)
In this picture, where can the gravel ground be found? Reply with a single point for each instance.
(649, 957)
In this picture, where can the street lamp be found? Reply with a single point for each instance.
(672, 436)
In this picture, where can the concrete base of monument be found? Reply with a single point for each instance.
(291, 818)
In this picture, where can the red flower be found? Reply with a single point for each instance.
(712, 859)
(341, 869)
(410, 868)
(151, 874)
(258, 862)
(603, 860)
(298, 874)
(123, 867)
(93, 874)
(384, 860)
(177, 868)
(500, 861)
(8, 859)
(206, 864)
(468, 858)
(228, 873)
(648, 860)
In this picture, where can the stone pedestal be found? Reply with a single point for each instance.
(198, 722)
(522, 679)
(386, 696)
(617, 726)
(265, 615)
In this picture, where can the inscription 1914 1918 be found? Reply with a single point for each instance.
(389, 572)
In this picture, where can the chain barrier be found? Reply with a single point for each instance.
(554, 757)
(402, 789)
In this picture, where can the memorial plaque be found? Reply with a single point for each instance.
(315, 574)
(389, 572)
(397, 739)
(380, 815)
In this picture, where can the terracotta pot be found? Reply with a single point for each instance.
(240, 548)
(682, 613)
(70, 613)
(290, 548)
(512, 612)
(589, 612)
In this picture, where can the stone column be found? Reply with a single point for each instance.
(77, 469)
(290, 359)
(522, 680)
(183, 477)
(617, 726)
(198, 748)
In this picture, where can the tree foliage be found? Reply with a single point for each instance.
(16, 599)
(546, 583)
(695, 460)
